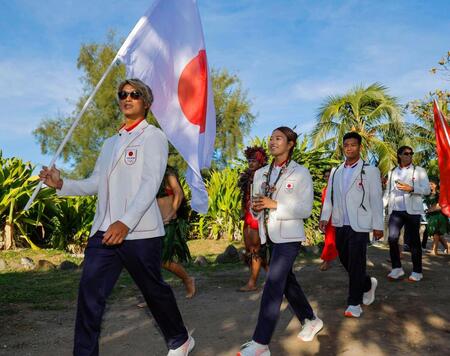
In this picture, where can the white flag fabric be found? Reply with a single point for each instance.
(166, 51)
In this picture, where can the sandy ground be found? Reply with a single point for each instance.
(406, 318)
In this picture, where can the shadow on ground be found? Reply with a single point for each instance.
(406, 318)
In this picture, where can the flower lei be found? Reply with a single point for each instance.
(268, 189)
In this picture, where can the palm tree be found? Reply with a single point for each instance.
(371, 112)
(422, 129)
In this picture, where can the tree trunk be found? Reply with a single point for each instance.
(9, 237)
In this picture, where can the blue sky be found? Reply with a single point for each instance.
(290, 55)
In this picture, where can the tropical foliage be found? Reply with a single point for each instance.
(422, 128)
(317, 160)
(19, 227)
(371, 112)
(223, 216)
(72, 221)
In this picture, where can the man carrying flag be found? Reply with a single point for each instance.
(128, 229)
(165, 51)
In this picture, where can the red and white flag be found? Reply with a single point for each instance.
(166, 50)
(443, 152)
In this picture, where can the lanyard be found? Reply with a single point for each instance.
(361, 172)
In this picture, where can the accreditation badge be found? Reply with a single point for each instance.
(130, 156)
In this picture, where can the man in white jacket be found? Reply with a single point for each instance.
(127, 230)
(405, 188)
(354, 202)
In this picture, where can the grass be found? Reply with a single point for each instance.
(12, 258)
(56, 289)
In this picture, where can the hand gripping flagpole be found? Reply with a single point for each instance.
(72, 128)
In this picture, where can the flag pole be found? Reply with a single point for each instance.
(72, 128)
(444, 126)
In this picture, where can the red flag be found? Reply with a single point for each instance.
(443, 152)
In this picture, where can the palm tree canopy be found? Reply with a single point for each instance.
(371, 112)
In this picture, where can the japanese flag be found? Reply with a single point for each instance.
(166, 50)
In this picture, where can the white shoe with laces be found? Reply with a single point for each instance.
(310, 329)
(415, 277)
(252, 348)
(396, 273)
(184, 349)
(369, 297)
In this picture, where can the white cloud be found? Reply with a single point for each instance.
(313, 90)
(38, 80)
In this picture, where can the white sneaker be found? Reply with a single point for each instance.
(252, 348)
(184, 349)
(369, 297)
(310, 329)
(415, 277)
(396, 273)
(353, 311)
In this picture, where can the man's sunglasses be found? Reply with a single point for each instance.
(408, 153)
(135, 95)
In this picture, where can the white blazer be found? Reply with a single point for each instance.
(416, 177)
(364, 198)
(128, 182)
(294, 196)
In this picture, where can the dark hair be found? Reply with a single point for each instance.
(434, 180)
(400, 151)
(352, 134)
(291, 136)
(256, 152)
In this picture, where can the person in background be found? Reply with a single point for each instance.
(255, 255)
(438, 224)
(407, 185)
(172, 206)
(354, 203)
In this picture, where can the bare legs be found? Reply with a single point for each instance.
(436, 240)
(255, 261)
(180, 272)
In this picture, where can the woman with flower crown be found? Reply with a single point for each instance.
(255, 254)
(282, 197)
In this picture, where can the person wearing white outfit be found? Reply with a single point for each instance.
(127, 230)
(354, 202)
(282, 199)
(407, 184)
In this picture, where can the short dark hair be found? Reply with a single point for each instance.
(400, 151)
(352, 134)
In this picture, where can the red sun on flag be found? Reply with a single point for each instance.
(193, 90)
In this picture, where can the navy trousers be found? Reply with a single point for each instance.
(352, 250)
(281, 281)
(397, 220)
(102, 267)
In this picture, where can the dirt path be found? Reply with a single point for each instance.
(406, 318)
